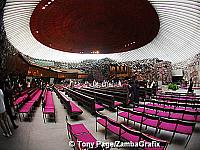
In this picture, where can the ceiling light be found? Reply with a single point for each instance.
(49, 2)
(52, 0)
(43, 7)
(37, 31)
(46, 5)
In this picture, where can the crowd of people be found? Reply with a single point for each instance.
(6, 108)
(8, 90)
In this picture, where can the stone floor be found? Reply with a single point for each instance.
(37, 135)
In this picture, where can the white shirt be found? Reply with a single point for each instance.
(2, 106)
(28, 84)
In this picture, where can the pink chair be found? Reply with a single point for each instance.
(78, 132)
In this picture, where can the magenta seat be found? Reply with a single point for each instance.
(140, 109)
(167, 126)
(79, 132)
(150, 111)
(114, 129)
(130, 137)
(176, 115)
(123, 114)
(163, 114)
(130, 134)
(150, 122)
(189, 117)
(87, 137)
(37, 96)
(98, 107)
(117, 103)
(102, 122)
(135, 118)
(75, 108)
(184, 129)
(78, 128)
(198, 119)
(20, 99)
(26, 108)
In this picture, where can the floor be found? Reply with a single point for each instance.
(37, 135)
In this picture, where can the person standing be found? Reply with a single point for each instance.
(3, 117)
(134, 91)
(190, 90)
(8, 93)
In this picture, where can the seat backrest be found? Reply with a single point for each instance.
(114, 123)
(168, 120)
(68, 105)
(177, 111)
(148, 116)
(97, 114)
(151, 139)
(130, 131)
(186, 123)
(135, 113)
(122, 109)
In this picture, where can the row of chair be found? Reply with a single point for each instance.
(171, 110)
(104, 99)
(24, 97)
(177, 98)
(169, 104)
(28, 107)
(180, 94)
(48, 107)
(21, 93)
(129, 134)
(159, 123)
(72, 108)
(118, 96)
(84, 100)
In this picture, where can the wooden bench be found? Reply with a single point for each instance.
(118, 96)
(78, 132)
(86, 101)
(105, 99)
(19, 102)
(72, 108)
(49, 108)
(28, 107)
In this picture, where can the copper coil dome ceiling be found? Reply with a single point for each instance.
(106, 26)
(178, 37)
